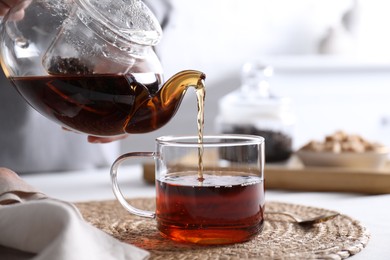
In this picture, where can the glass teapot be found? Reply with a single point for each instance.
(89, 65)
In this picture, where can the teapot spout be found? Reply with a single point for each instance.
(155, 112)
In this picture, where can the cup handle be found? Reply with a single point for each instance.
(115, 187)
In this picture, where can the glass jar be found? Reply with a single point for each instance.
(253, 109)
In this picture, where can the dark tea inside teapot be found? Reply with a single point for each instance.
(90, 66)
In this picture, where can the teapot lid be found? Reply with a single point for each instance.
(131, 20)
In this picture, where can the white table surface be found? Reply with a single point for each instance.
(373, 211)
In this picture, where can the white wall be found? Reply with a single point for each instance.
(332, 94)
(218, 36)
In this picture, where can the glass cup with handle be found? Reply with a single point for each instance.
(209, 192)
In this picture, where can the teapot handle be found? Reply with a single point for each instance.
(11, 29)
(14, 33)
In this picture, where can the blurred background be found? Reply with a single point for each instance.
(330, 57)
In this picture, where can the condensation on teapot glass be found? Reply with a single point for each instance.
(89, 65)
(106, 36)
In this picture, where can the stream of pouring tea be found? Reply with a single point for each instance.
(200, 95)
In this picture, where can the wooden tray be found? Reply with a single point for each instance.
(292, 175)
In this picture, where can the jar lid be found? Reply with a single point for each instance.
(243, 105)
(120, 20)
(254, 97)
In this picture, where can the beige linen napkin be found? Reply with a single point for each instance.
(33, 226)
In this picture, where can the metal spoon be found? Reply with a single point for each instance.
(308, 221)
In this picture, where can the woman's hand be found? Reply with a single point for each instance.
(5, 5)
(102, 140)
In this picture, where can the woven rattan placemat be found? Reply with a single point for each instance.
(280, 238)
